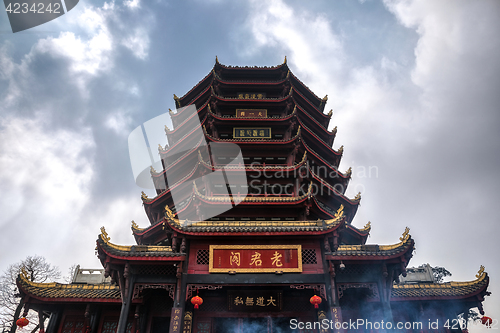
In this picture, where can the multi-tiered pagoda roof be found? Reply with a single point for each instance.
(286, 194)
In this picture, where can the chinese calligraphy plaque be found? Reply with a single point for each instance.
(255, 258)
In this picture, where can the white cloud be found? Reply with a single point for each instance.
(138, 43)
(46, 166)
(132, 3)
(119, 122)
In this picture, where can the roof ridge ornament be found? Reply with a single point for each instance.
(339, 213)
(330, 113)
(406, 235)
(368, 226)
(348, 172)
(167, 130)
(357, 197)
(171, 112)
(334, 130)
(144, 196)
(177, 102)
(24, 273)
(104, 235)
(217, 60)
(134, 225)
(481, 272)
(284, 62)
(170, 215)
(341, 150)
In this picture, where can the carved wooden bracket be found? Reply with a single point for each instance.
(139, 288)
(320, 288)
(371, 286)
(193, 287)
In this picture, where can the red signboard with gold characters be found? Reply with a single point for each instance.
(255, 258)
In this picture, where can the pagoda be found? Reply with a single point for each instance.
(250, 230)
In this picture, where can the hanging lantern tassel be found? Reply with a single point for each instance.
(486, 321)
(197, 301)
(21, 322)
(316, 301)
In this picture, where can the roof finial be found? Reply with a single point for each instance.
(330, 113)
(325, 98)
(152, 170)
(480, 273)
(357, 197)
(216, 60)
(169, 213)
(171, 112)
(167, 130)
(134, 225)
(334, 130)
(144, 196)
(104, 235)
(24, 273)
(405, 235)
(341, 150)
(368, 225)
(175, 97)
(284, 62)
(348, 172)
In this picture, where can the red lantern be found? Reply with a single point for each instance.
(486, 321)
(21, 322)
(315, 300)
(197, 301)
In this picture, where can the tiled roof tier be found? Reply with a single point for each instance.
(137, 252)
(253, 199)
(363, 231)
(268, 228)
(433, 291)
(274, 119)
(362, 252)
(57, 292)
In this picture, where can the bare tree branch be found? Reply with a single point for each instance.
(39, 270)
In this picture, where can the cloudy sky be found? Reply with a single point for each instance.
(414, 85)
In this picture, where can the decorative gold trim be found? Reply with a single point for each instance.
(255, 270)
(317, 223)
